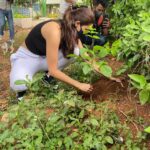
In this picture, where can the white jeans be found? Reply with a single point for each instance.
(24, 63)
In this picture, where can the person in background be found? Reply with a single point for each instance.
(6, 12)
(101, 24)
(64, 4)
(47, 47)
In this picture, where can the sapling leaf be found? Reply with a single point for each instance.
(109, 139)
(94, 122)
(20, 82)
(139, 79)
(147, 129)
(86, 57)
(146, 37)
(88, 139)
(103, 53)
(54, 118)
(106, 70)
(72, 56)
(101, 63)
(121, 70)
(148, 87)
(70, 103)
(97, 48)
(68, 142)
(86, 69)
(146, 28)
(144, 96)
(81, 115)
(83, 50)
(74, 135)
(136, 85)
(96, 37)
(115, 47)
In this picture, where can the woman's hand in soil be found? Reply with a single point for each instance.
(85, 87)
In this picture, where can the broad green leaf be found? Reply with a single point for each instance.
(81, 115)
(74, 134)
(103, 147)
(114, 51)
(96, 37)
(101, 63)
(103, 53)
(139, 79)
(109, 139)
(144, 96)
(70, 103)
(136, 57)
(146, 37)
(136, 85)
(94, 122)
(146, 28)
(83, 50)
(54, 118)
(148, 86)
(68, 142)
(86, 57)
(116, 43)
(147, 129)
(59, 143)
(10, 139)
(106, 70)
(86, 69)
(72, 56)
(121, 70)
(97, 48)
(87, 139)
(20, 82)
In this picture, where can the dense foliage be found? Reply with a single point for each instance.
(55, 117)
(131, 23)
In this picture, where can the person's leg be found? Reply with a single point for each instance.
(23, 64)
(10, 24)
(2, 22)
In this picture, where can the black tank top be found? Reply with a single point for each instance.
(35, 42)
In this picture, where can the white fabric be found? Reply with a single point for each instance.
(24, 63)
(64, 5)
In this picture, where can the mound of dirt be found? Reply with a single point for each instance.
(105, 88)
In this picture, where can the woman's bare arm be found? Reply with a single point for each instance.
(51, 32)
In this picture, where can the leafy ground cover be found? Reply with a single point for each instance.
(57, 116)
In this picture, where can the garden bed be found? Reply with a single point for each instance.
(118, 99)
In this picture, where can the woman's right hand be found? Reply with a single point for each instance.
(85, 87)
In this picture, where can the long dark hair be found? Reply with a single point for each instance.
(69, 36)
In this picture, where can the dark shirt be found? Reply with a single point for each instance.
(35, 41)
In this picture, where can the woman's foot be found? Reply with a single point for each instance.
(20, 95)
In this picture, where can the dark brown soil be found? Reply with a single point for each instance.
(124, 102)
(105, 88)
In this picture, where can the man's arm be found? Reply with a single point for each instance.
(105, 26)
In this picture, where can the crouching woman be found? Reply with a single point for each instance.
(47, 46)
